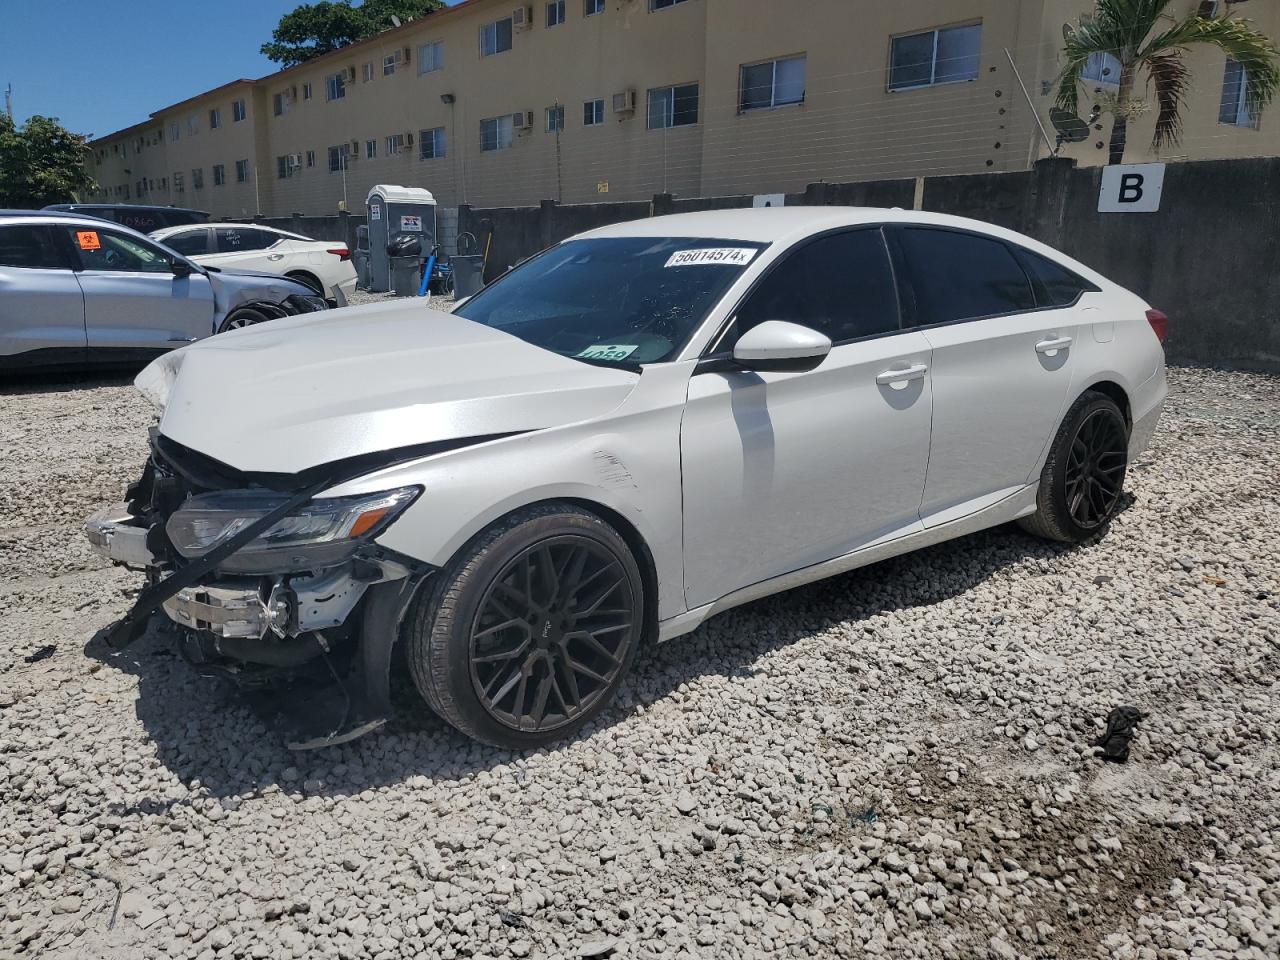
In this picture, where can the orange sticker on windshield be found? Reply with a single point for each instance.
(88, 240)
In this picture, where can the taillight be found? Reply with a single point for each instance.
(342, 253)
(1159, 323)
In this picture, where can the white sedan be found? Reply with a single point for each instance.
(323, 265)
(641, 427)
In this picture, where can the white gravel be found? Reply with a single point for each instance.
(894, 763)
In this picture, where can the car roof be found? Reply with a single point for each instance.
(123, 206)
(62, 216)
(162, 232)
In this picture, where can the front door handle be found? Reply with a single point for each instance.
(276, 256)
(902, 375)
(1051, 347)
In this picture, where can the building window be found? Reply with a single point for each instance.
(663, 4)
(193, 124)
(282, 168)
(242, 171)
(237, 110)
(591, 7)
(389, 66)
(673, 106)
(395, 143)
(555, 13)
(495, 133)
(277, 104)
(335, 86)
(306, 91)
(370, 149)
(338, 157)
(950, 55)
(495, 37)
(215, 119)
(219, 174)
(1103, 69)
(178, 186)
(431, 144)
(197, 178)
(366, 72)
(175, 131)
(593, 113)
(311, 158)
(774, 83)
(555, 118)
(1235, 108)
(431, 57)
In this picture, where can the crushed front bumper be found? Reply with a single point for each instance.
(115, 534)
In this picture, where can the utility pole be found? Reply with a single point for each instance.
(8, 100)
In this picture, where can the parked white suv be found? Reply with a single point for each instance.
(323, 265)
(641, 427)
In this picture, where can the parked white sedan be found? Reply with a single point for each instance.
(639, 428)
(323, 265)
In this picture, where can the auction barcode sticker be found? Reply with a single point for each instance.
(712, 256)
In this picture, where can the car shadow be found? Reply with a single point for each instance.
(21, 382)
(208, 732)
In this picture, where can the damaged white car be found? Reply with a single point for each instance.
(639, 428)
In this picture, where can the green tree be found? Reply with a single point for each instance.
(1146, 39)
(314, 29)
(41, 162)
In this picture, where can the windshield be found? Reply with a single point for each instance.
(621, 301)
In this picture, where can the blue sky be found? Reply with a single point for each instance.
(100, 66)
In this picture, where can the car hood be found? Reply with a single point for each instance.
(303, 391)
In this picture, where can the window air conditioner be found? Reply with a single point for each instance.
(625, 102)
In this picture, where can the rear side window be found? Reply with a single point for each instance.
(962, 276)
(239, 239)
(840, 285)
(1054, 284)
(30, 246)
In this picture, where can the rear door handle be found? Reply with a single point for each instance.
(1051, 347)
(902, 375)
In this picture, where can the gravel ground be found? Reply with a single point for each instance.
(896, 762)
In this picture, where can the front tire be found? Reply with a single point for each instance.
(243, 318)
(1083, 477)
(529, 631)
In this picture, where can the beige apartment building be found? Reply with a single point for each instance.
(492, 103)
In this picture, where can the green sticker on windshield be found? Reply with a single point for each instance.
(608, 351)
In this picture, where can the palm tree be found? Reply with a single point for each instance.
(1143, 37)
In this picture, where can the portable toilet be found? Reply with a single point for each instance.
(394, 211)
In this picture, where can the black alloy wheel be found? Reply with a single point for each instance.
(552, 633)
(1095, 468)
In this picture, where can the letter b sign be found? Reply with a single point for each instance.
(1131, 188)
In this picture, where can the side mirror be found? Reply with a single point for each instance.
(181, 269)
(781, 346)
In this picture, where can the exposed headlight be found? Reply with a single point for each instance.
(322, 533)
(306, 303)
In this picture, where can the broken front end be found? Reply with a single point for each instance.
(264, 580)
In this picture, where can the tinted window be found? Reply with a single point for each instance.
(189, 244)
(840, 285)
(29, 245)
(240, 239)
(960, 276)
(1054, 284)
(104, 250)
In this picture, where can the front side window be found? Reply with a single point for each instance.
(555, 119)
(190, 243)
(555, 13)
(495, 133)
(962, 276)
(620, 301)
(948, 55)
(104, 250)
(1235, 108)
(774, 83)
(841, 285)
(495, 37)
(673, 106)
(238, 112)
(29, 246)
(431, 57)
(242, 171)
(335, 86)
(593, 113)
(431, 143)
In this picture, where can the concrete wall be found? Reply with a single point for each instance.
(1207, 258)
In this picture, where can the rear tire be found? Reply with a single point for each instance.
(310, 280)
(526, 635)
(1083, 477)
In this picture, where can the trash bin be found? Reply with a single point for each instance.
(361, 258)
(468, 275)
(405, 257)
